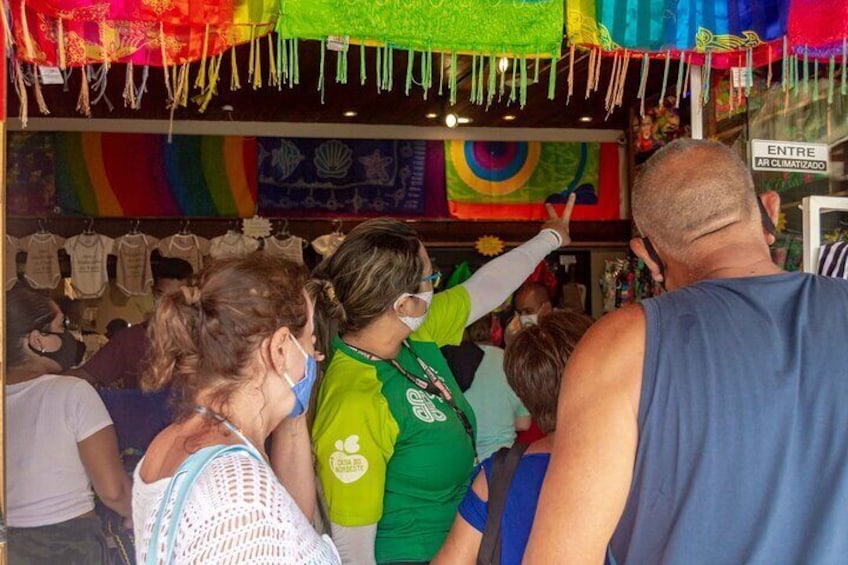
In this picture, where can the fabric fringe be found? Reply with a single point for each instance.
(142, 88)
(708, 65)
(643, 83)
(129, 87)
(20, 89)
(235, 83)
(619, 99)
(84, 101)
(257, 64)
(39, 96)
(769, 73)
(28, 45)
(570, 75)
(250, 56)
(681, 71)
(523, 92)
(60, 36)
(200, 81)
(163, 48)
(8, 39)
(666, 69)
(611, 86)
(831, 70)
(686, 79)
(453, 73)
(273, 69)
(590, 75)
(552, 80)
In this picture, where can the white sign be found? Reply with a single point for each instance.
(51, 75)
(741, 77)
(256, 227)
(792, 156)
(338, 43)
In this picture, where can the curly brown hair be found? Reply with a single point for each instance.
(204, 336)
(535, 360)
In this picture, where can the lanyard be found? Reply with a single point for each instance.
(232, 427)
(431, 385)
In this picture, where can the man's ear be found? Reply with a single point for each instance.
(771, 203)
(637, 245)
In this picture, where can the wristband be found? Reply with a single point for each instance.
(556, 236)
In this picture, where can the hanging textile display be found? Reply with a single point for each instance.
(484, 29)
(688, 25)
(818, 27)
(330, 176)
(513, 180)
(93, 174)
(145, 32)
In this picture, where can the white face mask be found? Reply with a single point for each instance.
(529, 320)
(415, 322)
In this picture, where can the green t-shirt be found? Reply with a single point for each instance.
(388, 452)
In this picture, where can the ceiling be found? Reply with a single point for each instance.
(303, 103)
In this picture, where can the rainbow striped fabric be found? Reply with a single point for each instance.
(112, 174)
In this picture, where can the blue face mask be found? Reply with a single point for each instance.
(302, 389)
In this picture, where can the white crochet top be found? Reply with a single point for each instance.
(237, 512)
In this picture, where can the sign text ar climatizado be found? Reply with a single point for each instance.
(767, 155)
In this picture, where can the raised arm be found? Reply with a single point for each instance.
(591, 467)
(500, 277)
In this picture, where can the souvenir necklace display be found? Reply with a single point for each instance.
(431, 385)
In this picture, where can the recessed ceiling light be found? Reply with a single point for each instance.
(509, 117)
(464, 120)
(585, 119)
(349, 114)
(431, 116)
(451, 120)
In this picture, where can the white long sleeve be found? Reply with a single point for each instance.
(500, 277)
(355, 544)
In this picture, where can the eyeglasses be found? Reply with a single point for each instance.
(433, 277)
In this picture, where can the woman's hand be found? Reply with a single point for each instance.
(561, 225)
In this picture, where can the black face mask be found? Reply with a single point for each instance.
(69, 354)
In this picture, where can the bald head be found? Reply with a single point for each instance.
(691, 190)
(532, 298)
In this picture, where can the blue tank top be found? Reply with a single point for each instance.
(743, 426)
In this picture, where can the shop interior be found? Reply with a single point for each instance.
(236, 144)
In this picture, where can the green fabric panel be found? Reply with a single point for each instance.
(479, 26)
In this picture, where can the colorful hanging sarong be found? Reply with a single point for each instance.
(513, 180)
(513, 27)
(818, 26)
(68, 33)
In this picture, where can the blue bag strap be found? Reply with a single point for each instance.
(190, 470)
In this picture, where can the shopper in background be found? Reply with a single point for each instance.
(498, 410)
(60, 442)
(534, 364)
(123, 358)
(532, 300)
(707, 425)
(394, 437)
(236, 347)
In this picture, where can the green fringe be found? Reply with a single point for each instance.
(536, 76)
(453, 78)
(680, 69)
(321, 70)
(707, 71)
(378, 59)
(830, 74)
(816, 77)
(502, 87)
(424, 82)
(749, 72)
(480, 80)
(282, 59)
(363, 73)
(493, 76)
(513, 89)
(410, 61)
(473, 97)
(665, 76)
(784, 82)
(390, 57)
(806, 71)
(844, 86)
(523, 94)
(296, 65)
(553, 77)
(441, 73)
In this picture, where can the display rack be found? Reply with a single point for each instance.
(812, 208)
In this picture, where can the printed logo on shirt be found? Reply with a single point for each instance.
(347, 466)
(423, 407)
